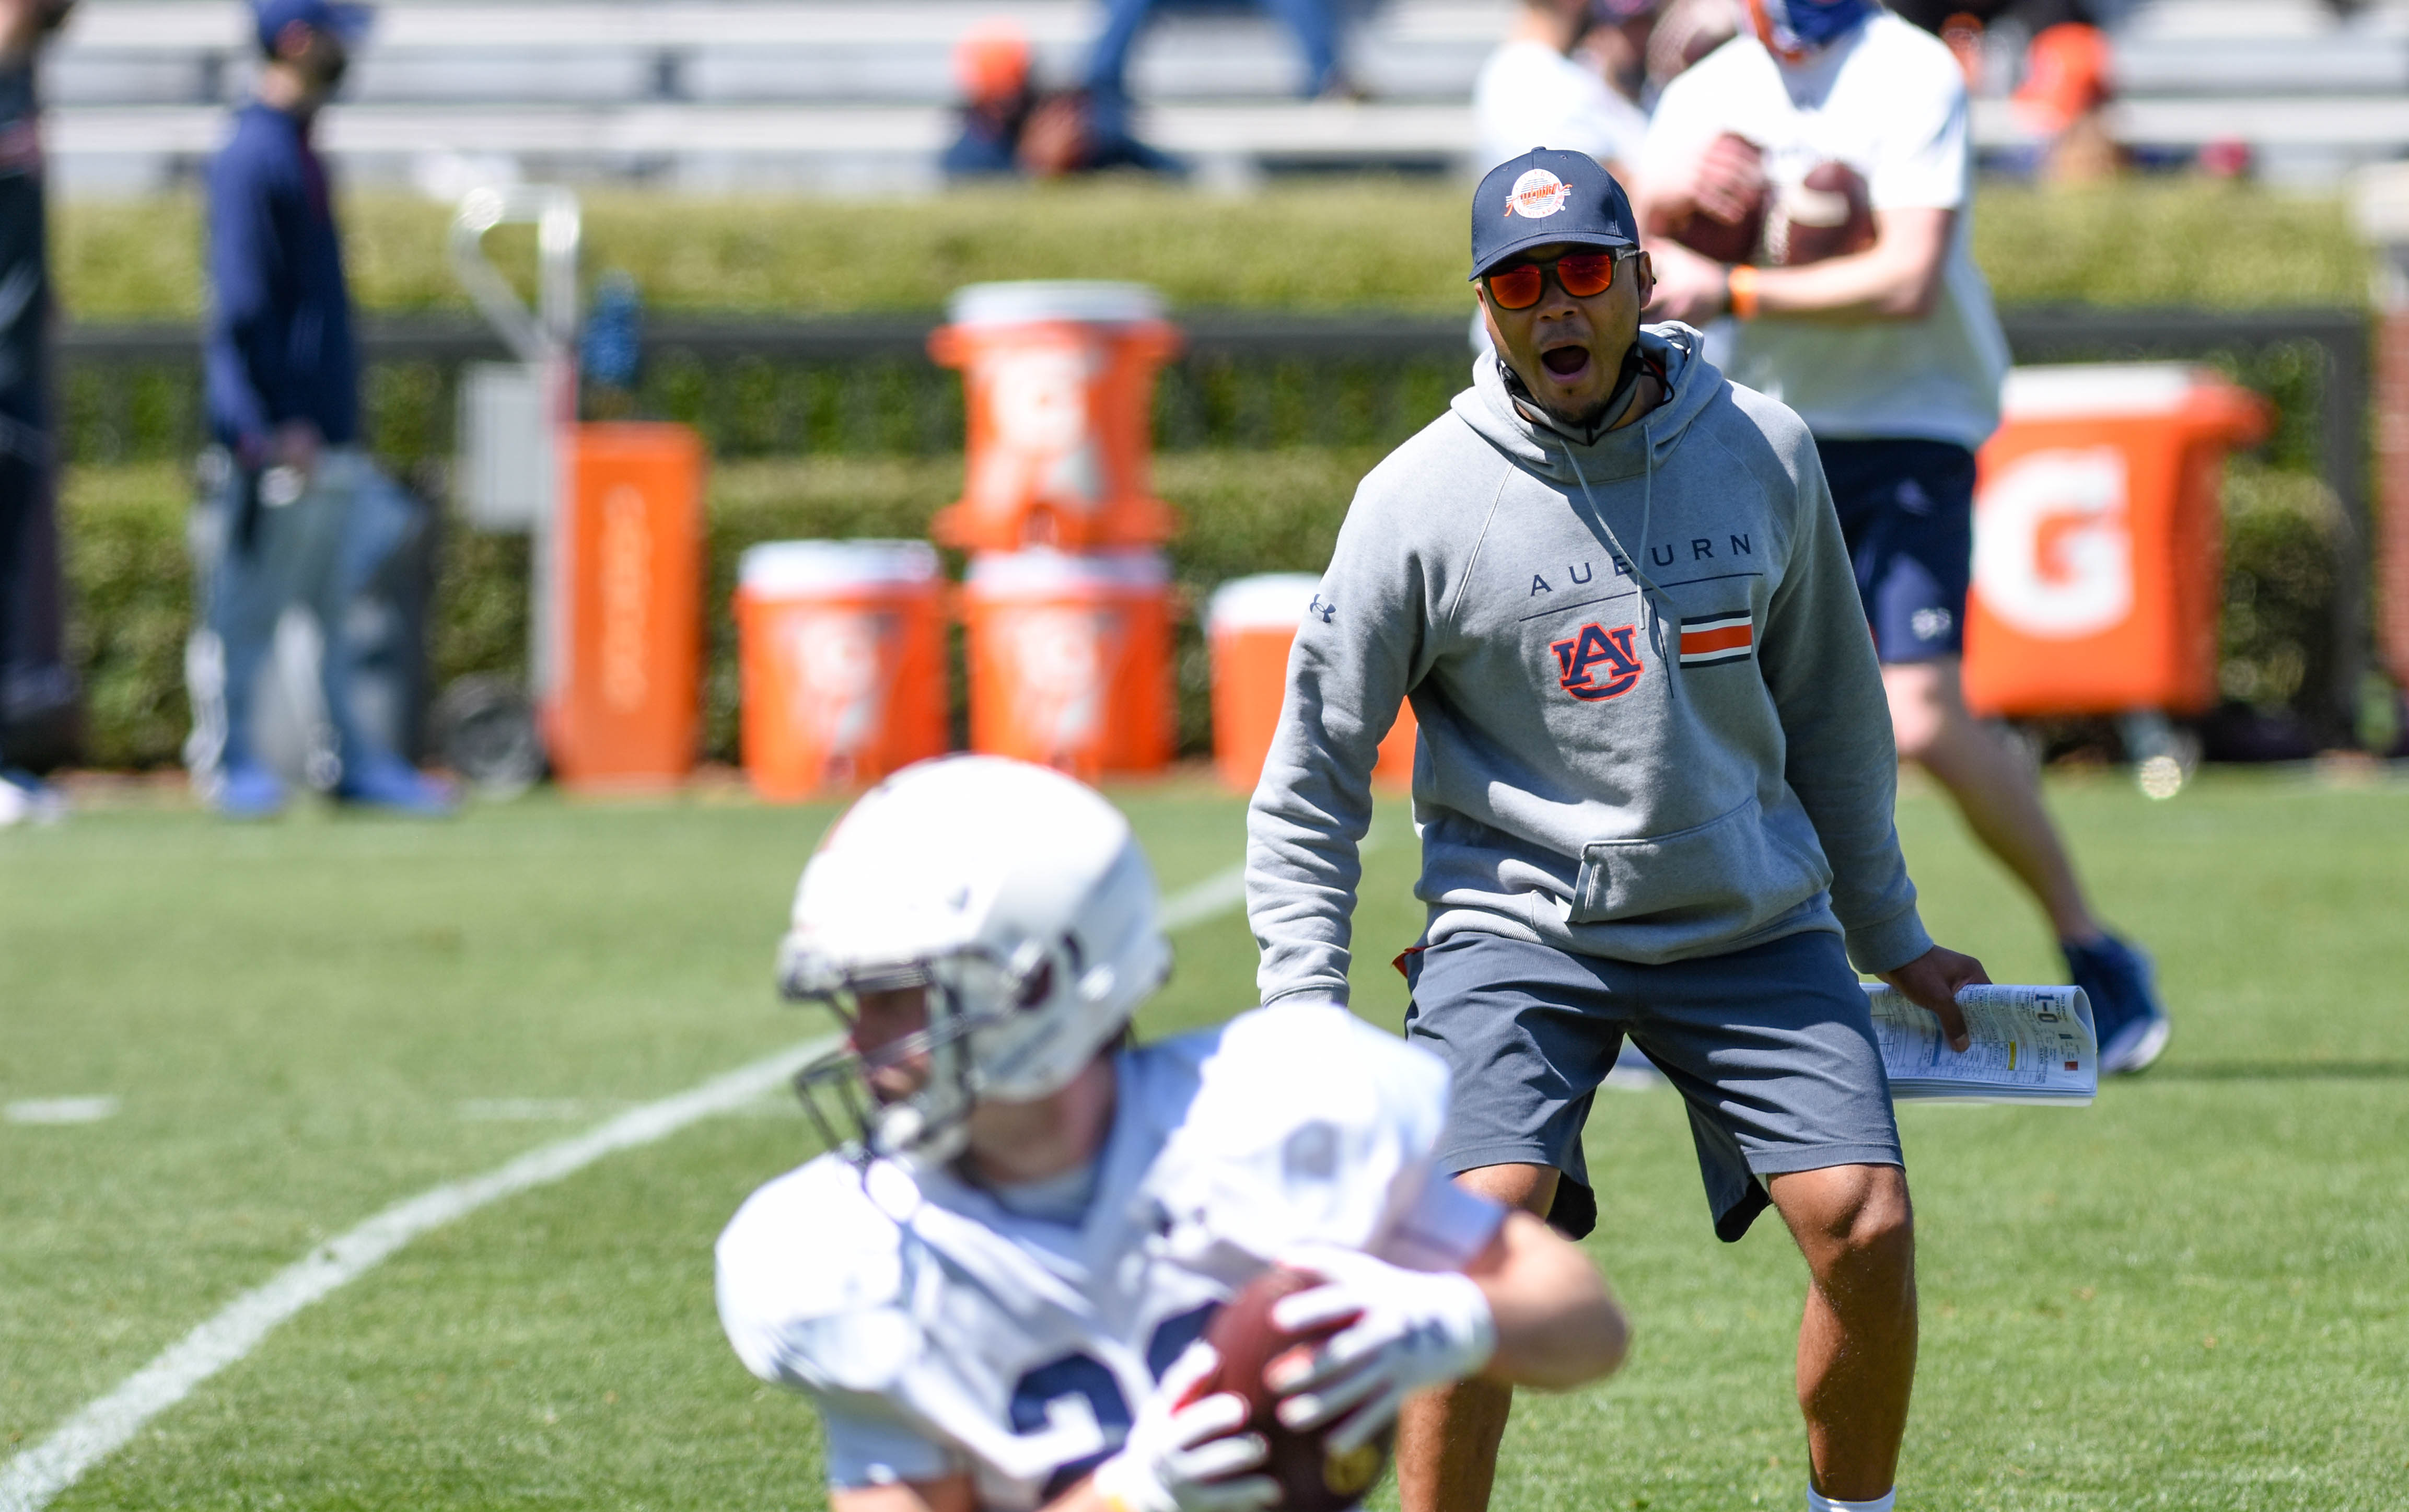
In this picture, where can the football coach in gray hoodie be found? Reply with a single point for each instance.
(1655, 792)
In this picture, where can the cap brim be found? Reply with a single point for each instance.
(1544, 238)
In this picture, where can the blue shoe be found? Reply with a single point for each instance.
(383, 781)
(247, 790)
(2125, 1008)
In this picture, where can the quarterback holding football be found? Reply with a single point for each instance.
(1002, 1285)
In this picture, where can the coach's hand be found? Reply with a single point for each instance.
(1931, 981)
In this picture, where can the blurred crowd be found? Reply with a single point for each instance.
(1581, 74)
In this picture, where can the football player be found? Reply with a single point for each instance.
(994, 1286)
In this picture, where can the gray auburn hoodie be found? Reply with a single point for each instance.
(1587, 778)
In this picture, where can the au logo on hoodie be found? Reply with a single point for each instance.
(1597, 663)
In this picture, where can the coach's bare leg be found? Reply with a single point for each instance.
(1996, 789)
(1857, 1343)
(1446, 1440)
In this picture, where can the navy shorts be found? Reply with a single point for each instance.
(1772, 1047)
(1907, 511)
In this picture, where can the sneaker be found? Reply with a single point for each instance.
(384, 781)
(247, 790)
(2118, 979)
(25, 798)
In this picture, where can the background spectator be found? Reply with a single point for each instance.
(1685, 32)
(303, 515)
(2064, 100)
(1010, 126)
(1546, 87)
(1314, 21)
(37, 693)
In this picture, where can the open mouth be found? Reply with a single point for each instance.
(1565, 361)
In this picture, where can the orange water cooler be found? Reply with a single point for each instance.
(2099, 539)
(619, 663)
(841, 662)
(1252, 624)
(1058, 381)
(1070, 659)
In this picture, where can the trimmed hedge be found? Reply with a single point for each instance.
(1344, 245)
(1246, 512)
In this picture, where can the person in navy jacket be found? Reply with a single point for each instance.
(302, 513)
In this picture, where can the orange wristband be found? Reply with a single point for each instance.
(1740, 292)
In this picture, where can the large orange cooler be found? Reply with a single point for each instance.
(1251, 624)
(621, 663)
(841, 649)
(1058, 381)
(1070, 659)
(2099, 539)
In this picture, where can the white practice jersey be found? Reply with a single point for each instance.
(1528, 94)
(1888, 100)
(940, 1333)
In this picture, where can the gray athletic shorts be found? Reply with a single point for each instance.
(1772, 1049)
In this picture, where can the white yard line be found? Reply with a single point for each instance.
(61, 1110)
(30, 1480)
(1223, 892)
(1218, 894)
(33, 1478)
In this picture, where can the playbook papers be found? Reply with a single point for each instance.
(2030, 1045)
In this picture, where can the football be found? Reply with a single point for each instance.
(1312, 1478)
(1727, 241)
(1826, 214)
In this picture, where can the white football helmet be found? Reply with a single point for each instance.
(1017, 897)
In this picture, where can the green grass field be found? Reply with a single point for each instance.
(2190, 1295)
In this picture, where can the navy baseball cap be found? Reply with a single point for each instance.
(1547, 196)
(347, 22)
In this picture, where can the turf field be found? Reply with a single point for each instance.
(2190, 1295)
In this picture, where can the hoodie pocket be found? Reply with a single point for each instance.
(1728, 866)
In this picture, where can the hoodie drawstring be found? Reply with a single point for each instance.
(1651, 617)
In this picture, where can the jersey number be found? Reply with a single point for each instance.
(1077, 1407)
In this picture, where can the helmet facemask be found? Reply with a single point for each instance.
(968, 996)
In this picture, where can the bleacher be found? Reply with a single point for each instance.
(824, 93)
(853, 93)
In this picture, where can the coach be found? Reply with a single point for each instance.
(304, 513)
(1654, 787)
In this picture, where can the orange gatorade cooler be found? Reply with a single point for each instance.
(2099, 539)
(1251, 624)
(1070, 659)
(842, 656)
(622, 685)
(1058, 383)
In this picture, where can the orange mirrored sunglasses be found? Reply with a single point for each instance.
(1581, 274)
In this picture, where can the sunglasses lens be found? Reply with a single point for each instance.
(1586, 273)
(1517, 287)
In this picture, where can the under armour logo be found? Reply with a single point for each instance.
(1326, 610)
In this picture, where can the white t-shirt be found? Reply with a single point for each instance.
(1890, 102)
(1531, 96)
(941, 1331)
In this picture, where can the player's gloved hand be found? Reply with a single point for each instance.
(1412, 1330)
(1187, 1456)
